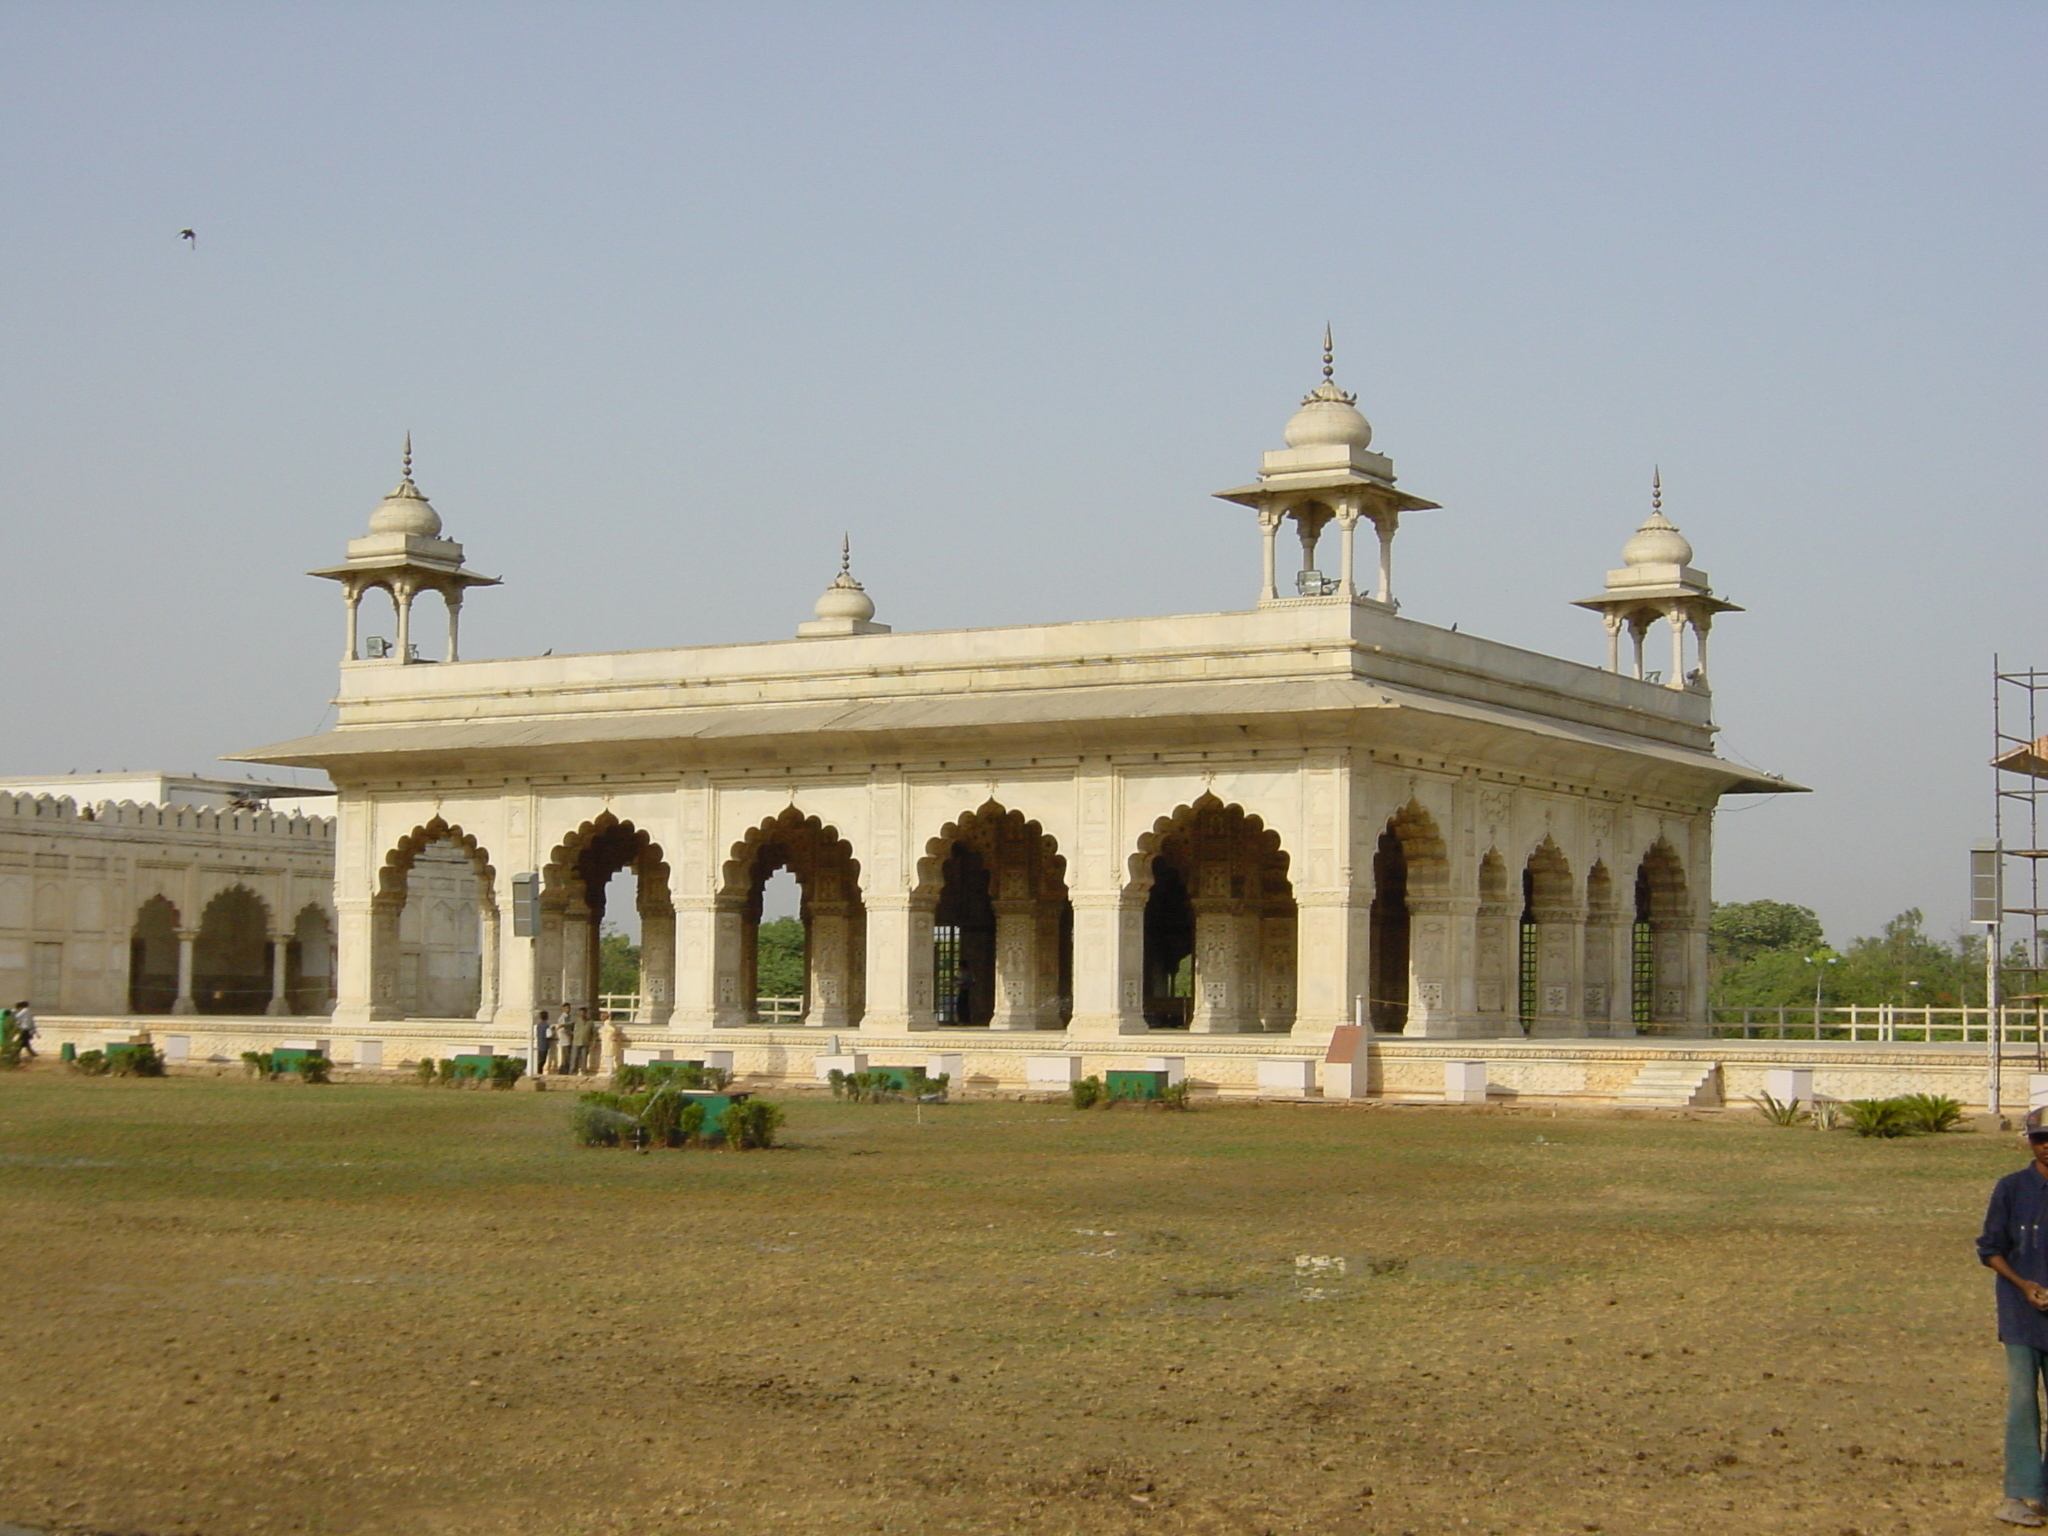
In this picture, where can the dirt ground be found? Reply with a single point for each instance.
(238, 1308)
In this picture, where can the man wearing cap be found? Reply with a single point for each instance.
(2014, 1246)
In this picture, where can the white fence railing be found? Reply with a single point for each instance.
(624, 1008)
(1881, 1023)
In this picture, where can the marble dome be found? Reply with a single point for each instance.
(405, 510)
(1329, 417)
(846, 599)
(1657, 542)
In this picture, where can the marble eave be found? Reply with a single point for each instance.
(1326, 480)
(1224, 718)
(455, 573)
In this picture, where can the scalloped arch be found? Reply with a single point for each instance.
(649, 859)
(399, 861)
(792, 825)
(985, 818)
(1139, 866)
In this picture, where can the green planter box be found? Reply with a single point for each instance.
(284, 1060)
(1135, 1085)
(714, 1109)
(468, 1066)
(899, 1078)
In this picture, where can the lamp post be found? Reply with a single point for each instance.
(1820, 964)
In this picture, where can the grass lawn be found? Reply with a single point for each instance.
(241, 1307)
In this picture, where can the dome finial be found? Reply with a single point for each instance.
(846, 555)
(405, 458)
(1329, 355)
(1657, 490)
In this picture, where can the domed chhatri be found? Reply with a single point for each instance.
(1657, 582)
(1327, 474)
(403, 554)
(1658, 541)
(406, 510)
(844, 608)
(1329, 416)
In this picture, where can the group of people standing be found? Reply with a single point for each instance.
(568, 1043)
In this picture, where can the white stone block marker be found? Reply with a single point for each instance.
(1292, 1077)
(369, 1053)
(1344, 1064)
(1175, 1067)
(718, 1061)
(1465, 1082)
(1794, 1085)
(1051, 1071)
(951, 1065)
(177, 1047)
(850, 1063)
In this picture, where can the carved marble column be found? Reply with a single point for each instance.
(1560, 958)
(1609, 1001)
(386, 908)
(578, 937)
(1016, 977)
(280, 1004)
(1277, 940)
(1109, 965)
(899, 968)
(187, 938)
(1046, 918)
(657, 965)
(1222, 1006)
(826, 964)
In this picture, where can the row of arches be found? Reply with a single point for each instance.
(991, 925)
(235, 960)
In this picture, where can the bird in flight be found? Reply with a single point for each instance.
(191, 236)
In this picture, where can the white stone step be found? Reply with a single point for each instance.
(1674, 1085)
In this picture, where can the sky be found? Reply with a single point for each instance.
(670, 297)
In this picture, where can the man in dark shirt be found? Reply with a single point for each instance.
(2014, 1246)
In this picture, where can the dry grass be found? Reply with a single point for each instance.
(249, 1308)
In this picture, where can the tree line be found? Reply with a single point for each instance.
(1772, 954)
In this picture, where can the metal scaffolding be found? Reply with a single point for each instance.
(2010, 895)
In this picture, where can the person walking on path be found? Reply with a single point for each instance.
(25, 1027)
(2014, 1246)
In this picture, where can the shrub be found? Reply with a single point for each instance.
(933, 1090)
(671, 1119)
(1884, 1118)
(751, 1123)
(837, 1079)
(1778, 1113)
(445, 1070)
(1089, 1092)
(1930, 1113)
(507, 1070)
(424, 1070)
(258, 1063)
(595, 1125)
(717, 1079)
(91, 1063)
(315, 1069)
(1175, 1096)
(137, 1061)
(626, 1078)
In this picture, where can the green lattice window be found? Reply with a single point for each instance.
(946, 971)
(1642, 971)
